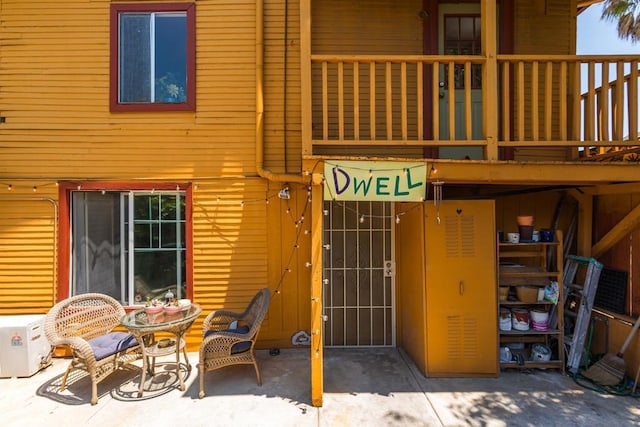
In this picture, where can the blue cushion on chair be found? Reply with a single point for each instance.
(111, 343)
(237, 347)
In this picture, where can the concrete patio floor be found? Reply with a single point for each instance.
(362, 387)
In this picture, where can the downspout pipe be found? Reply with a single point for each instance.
(271, 176)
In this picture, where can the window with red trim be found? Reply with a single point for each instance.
(132, 242)
(152, 57)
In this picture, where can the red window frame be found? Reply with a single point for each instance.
(64, 224)
(116, 9)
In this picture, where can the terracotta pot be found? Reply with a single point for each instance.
(525, 220)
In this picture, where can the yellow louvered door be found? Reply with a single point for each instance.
(460, 282)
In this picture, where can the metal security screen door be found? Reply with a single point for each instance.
(358, 274)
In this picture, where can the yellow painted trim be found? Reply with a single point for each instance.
(490, 77)
(305, 74)
(316, 295)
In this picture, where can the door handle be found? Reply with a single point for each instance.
(461, 287)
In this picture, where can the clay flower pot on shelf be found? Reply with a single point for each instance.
(525, 220)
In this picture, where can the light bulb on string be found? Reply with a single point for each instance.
(35, 188)
(397, 219)
(361, 219)
(9, 187)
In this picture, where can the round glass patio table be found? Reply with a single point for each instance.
(144, 326)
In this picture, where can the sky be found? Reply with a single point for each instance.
(600, 37)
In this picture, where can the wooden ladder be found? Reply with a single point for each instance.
(578, 303)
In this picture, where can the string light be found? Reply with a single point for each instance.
(35, 188)
(361, 219)
(9, 187)
(397, 219)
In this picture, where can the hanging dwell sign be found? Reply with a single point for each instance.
(375, 181)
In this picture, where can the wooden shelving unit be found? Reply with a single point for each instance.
(532, 264)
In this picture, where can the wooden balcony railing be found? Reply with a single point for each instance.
(435, 100)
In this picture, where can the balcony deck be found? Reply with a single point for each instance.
(547, 110)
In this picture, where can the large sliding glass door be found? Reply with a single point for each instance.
(130, 245)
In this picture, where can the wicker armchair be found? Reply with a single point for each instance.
(85, 323)
(228, 338)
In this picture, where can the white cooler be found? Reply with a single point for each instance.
(23, 345)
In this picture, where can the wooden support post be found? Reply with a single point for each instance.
(490, 77)
(305, 73)
(585, 222)
(316, 292)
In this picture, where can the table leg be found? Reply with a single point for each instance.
(186, 358)
(145, 366)
(178, 344)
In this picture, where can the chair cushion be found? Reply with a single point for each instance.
(240, 347)
(111, 343)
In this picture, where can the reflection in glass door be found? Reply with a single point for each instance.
(358, 274)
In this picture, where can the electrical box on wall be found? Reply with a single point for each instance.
(24, 349)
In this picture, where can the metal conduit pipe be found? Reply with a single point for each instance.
(271, 176)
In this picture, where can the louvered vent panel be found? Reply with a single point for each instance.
(454, 337)
(451, 236)
(471, 344)
(468, 232)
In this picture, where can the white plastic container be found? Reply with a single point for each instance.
(23, 345)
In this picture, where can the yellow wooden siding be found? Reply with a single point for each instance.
(242, 244)
(27, 248)
(55, 87)
(345, 28)
(544, 27)
(277, 142)
(55, 79)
